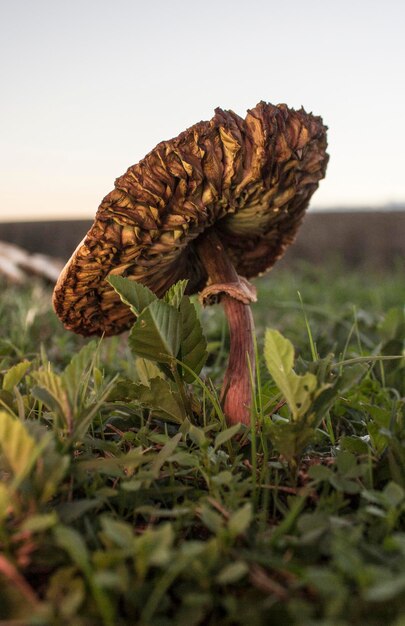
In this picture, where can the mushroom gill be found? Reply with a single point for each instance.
(219, 202)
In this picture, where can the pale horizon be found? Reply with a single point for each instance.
(93, 87)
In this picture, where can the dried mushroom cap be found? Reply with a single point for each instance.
(251, 179)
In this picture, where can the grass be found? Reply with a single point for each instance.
(125, 499)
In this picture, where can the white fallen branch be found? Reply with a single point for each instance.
(17, 265)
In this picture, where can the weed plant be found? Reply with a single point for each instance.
(126, 499)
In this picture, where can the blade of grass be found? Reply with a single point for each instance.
(314, 351)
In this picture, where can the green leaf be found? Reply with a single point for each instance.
(240, 520)
(74, 592)
(394, 494)
(153, 547)
(156, 333)
(290, 438)
(211, 519)
(72, 542)
(354, 444)
(346, 462)
(158, 512)
(175, 294)
(18, 446)
(51, 391)
(393, 324)
(297, 390)
(327, 394)
(193, 345)
(132, 293)
(197, 436)
(386, 590)
(344, 484)
(76, 375)
(226, 435)
(232, 573)
(119, 532)
(223, 478)
(165, 453)
(320, 472)
(83, 421)
(39, 523)
(52, 465)
(71, 511)
(146, 370)
(161, 399)
(159, 396)
(14, 375)
(5, 500)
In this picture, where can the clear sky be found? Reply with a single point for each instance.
(90, 86)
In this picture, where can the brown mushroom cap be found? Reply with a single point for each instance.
(251, 179)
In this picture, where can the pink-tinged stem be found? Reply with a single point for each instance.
(236, 394)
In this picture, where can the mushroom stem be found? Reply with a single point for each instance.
(236, 393)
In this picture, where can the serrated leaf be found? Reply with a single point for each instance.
(76, 374)
(175, 294)
(52, 465)
(226, 435)
(82, 422)
(161, 399)
(193, 345)
(297, 390)
(51, 391)
(156, 333)
(124, 390)
(18, 447)
(14, 375)
(132, 293)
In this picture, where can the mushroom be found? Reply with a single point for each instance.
(216, 205)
